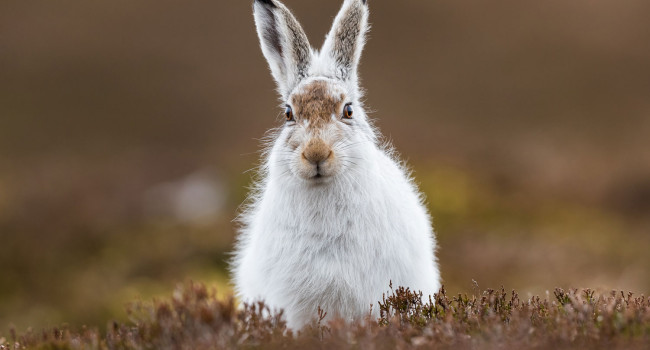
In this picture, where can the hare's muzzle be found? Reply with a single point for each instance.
(316, 155)
(316, 152)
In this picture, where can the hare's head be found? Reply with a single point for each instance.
(326, 131)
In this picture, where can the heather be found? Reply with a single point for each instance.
(194, 318)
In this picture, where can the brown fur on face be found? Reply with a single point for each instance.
(317, 151)
(316, 104)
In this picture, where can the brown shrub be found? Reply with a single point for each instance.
(194, 318)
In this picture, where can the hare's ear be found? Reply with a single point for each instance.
(283, 42)
(346, 39)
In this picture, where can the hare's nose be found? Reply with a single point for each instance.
(316, 151)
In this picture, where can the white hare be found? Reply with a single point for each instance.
(335, 217)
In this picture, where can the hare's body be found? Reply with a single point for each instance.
(335, 217)
(336, 246)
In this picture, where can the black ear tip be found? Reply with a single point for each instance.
(364, 2)
(269, 2)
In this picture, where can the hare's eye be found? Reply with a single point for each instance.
(347, 111)
(289, 113)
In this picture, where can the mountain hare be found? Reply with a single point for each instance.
(335, 217)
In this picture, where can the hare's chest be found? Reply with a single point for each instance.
(324, 262)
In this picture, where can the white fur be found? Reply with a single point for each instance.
(339, 242)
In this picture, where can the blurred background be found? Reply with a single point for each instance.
(127, 129)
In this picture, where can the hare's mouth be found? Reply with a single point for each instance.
(316, 172)
(319, 171)
(319, 178)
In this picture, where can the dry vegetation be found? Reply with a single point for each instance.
(194, 318)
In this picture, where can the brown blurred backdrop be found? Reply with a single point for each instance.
(127, 127)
